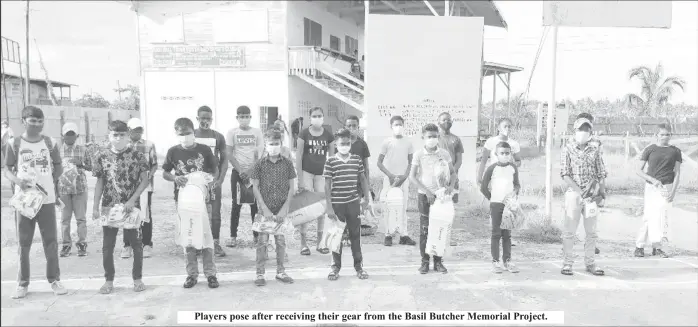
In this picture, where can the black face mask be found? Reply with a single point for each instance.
(33, 128)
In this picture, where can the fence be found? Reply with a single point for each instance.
(92, 122)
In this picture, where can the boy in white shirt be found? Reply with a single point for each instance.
(391, 162)
(501, 180)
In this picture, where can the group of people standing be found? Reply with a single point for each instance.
(335, 164)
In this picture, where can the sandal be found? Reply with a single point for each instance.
(107, 288)
(334, 275)
(138, 286)
(362, 274)
(282, 277)
(305, 251)
(594, 270)
(323, 250)
(567, 270)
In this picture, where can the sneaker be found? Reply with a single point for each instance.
(213, 282)
(424, 268)
(639, 252)
(439, 267)
(511, 267)
(82, 249)
(58, 288)
(147, 250)
(660, 253)
(190, 282)
(388, 241)
(406, 240)
(126, 252)
(20, 292)
(65, 251)
(497, 267)
(217, 249)
(231, 242)
(260, 280)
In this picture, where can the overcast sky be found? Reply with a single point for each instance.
(94, 45)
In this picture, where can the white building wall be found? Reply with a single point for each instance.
(331, 25)
(303, 96)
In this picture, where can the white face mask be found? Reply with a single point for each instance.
(582, 136)
(317, 121)
(504, 158)
(397, 130)
(432, 142)
(186, 140)
(274, 150)
(343, 149)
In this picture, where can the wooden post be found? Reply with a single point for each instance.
(87, 128)
(494, 103)
(109, 117)
(627, 146)
(62, 123)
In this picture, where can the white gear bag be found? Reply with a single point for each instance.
(441, 215)
(193, 228)
(392, 212)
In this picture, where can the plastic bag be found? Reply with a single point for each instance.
(116, 217)
(68, 179)
(194, 229)
(591, 209)
(306, 206)
(332, 235)
(263, 225)
(441, 215)
(29, 202)
(513, 216)
(245, 194)
(393, 211)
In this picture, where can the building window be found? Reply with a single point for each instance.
(267, 117)
(351, 44)
(335, 43)
(312, 33)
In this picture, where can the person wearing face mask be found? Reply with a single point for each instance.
(315, 145)
(431, 170)
(501, 180)
(135, 131)
(72, 189)
(452, 144)
(185, 158)
(583, 170)
(216, 141)
(33, 161)
(358, 145)
(122, 176)
(392, 163)
(245, 145)
(488, 152)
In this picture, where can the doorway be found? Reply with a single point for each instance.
(267, 115)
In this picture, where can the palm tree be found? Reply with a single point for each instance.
(656, 90)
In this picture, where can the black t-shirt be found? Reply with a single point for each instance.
(212, 139)
(360, 148)
(185, 161)
(661, 161)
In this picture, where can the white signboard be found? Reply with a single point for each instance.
(419, 67)
(651, 14)
(560, 120)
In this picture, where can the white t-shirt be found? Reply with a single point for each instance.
(396, 151)
(491, 146)
(246, 143)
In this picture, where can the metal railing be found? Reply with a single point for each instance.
(303, 60)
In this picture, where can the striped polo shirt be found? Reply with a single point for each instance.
(345, 177)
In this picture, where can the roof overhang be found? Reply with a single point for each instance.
(355, 9)
(490, 68)
(42, 81)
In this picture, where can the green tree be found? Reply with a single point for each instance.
(131, 102)
(655, 89)
(94, 100)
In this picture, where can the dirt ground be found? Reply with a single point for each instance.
(646, 291)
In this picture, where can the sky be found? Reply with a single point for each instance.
(94, 44)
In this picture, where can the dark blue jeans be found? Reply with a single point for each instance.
(496, 211)
(349, 213)
(46, 219)
(423, 205)
(236, 208)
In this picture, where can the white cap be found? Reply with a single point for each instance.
(134, 123)
(69, 126)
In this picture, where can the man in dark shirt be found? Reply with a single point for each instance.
(216, 141)
(296, 127)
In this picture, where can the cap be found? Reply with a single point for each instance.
(68, 127)
(134, 123)
(243, 110)
(581, 121)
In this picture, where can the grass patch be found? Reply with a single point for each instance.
(539, 229)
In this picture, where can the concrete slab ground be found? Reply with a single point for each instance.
(639, 291)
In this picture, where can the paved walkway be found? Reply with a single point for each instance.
(647, 291)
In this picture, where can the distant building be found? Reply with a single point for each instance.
(38, 91)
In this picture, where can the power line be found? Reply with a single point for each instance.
(535, 61)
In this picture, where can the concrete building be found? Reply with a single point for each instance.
(277, 57)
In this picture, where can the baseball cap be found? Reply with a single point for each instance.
(68, 127)
(243, 110)
(581, 121)
(134, 123)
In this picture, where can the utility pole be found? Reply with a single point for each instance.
(118, 89)
(27, 86)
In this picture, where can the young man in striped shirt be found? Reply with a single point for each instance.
(343, 172)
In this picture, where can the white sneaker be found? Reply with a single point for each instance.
(147, 250)
(511, 267)
(231, 242)
(58, 288)
(497, 267)
(126, 252)
(20, 292)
